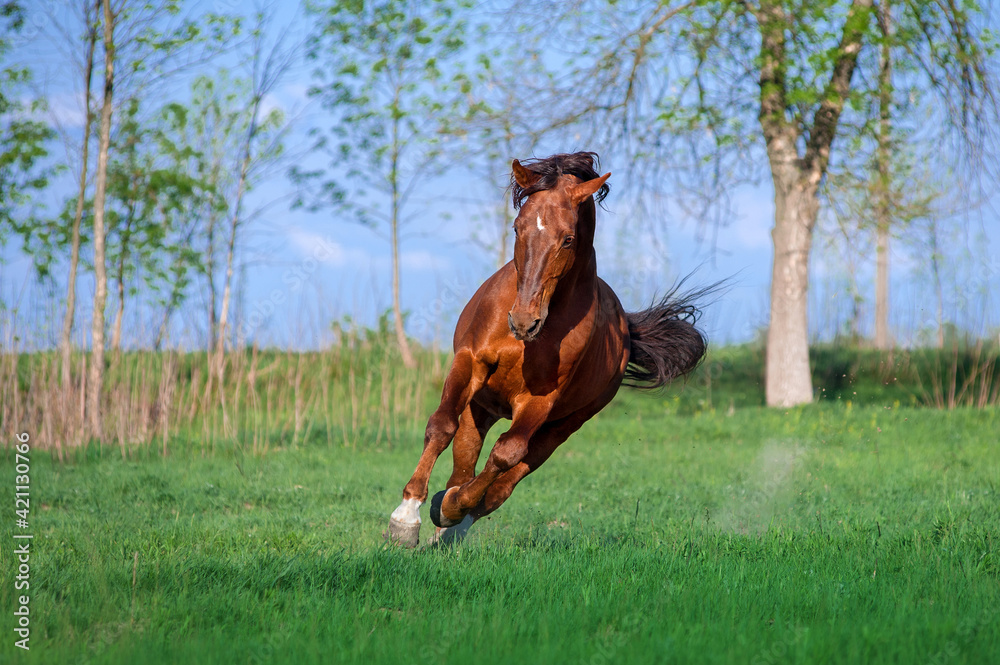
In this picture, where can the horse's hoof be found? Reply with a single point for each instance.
(400, 533)
(453, 535)
(436, 516)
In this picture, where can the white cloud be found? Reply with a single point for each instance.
(289, 100)
(423, 260)
(271, 103)
(326, 250)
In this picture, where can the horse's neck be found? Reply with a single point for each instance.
(586, 224)
(582, 277)
(585, 229)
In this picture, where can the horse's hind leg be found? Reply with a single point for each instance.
(464, 379)
(450, 507)
(540, 448)
(472, 429)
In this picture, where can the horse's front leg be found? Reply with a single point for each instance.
(464, 379)
(450, 507)
(473, 426)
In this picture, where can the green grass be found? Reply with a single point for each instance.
(827, 534)
(962, 374)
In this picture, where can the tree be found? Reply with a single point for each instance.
(680, 90)
(390, 73)
(886, 198)
(153, 47)
(490, 128)
(204, 129)
(494, 125)
(91, 8)
(151, 193)
(24, 138)
(153, 43)
(882, 338)
(259, 148)
(212, 121)
(893, 195)
(95, 380)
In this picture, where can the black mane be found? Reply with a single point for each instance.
(583, 165)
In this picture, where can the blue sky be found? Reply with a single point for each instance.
(304, 269)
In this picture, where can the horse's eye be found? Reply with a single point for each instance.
(568, 241)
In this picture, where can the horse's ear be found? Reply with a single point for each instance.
(585, 190)
(522, 176)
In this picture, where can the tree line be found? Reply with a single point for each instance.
(839, 103)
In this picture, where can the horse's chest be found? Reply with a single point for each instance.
(532, 369)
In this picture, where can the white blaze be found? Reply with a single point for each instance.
(538, 222)
(408, 512)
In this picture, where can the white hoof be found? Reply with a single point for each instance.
(404, 524)
(407, 535)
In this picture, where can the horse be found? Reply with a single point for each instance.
(545, 343)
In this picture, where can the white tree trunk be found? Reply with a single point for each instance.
(882, 338)
(241, 187)
(884, 204)
(116, 328)
(220, 340)
(397, 311)
(65, 340)
(938, 289)
(96, 379)
(210, 272)
(788, 377)
(796, 184)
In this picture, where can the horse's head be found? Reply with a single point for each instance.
(546, 244)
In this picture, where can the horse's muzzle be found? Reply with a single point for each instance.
(524, 330)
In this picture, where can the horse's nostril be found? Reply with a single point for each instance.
(534, 327)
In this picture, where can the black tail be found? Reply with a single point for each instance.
(664, 341)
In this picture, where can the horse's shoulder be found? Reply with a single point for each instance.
(610, 304)
(487, 309)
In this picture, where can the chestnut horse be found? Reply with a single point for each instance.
(544, 342)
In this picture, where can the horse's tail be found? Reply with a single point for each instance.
(665, 343)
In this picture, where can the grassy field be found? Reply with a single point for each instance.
(671, 529)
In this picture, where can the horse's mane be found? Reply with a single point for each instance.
(583, 165)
